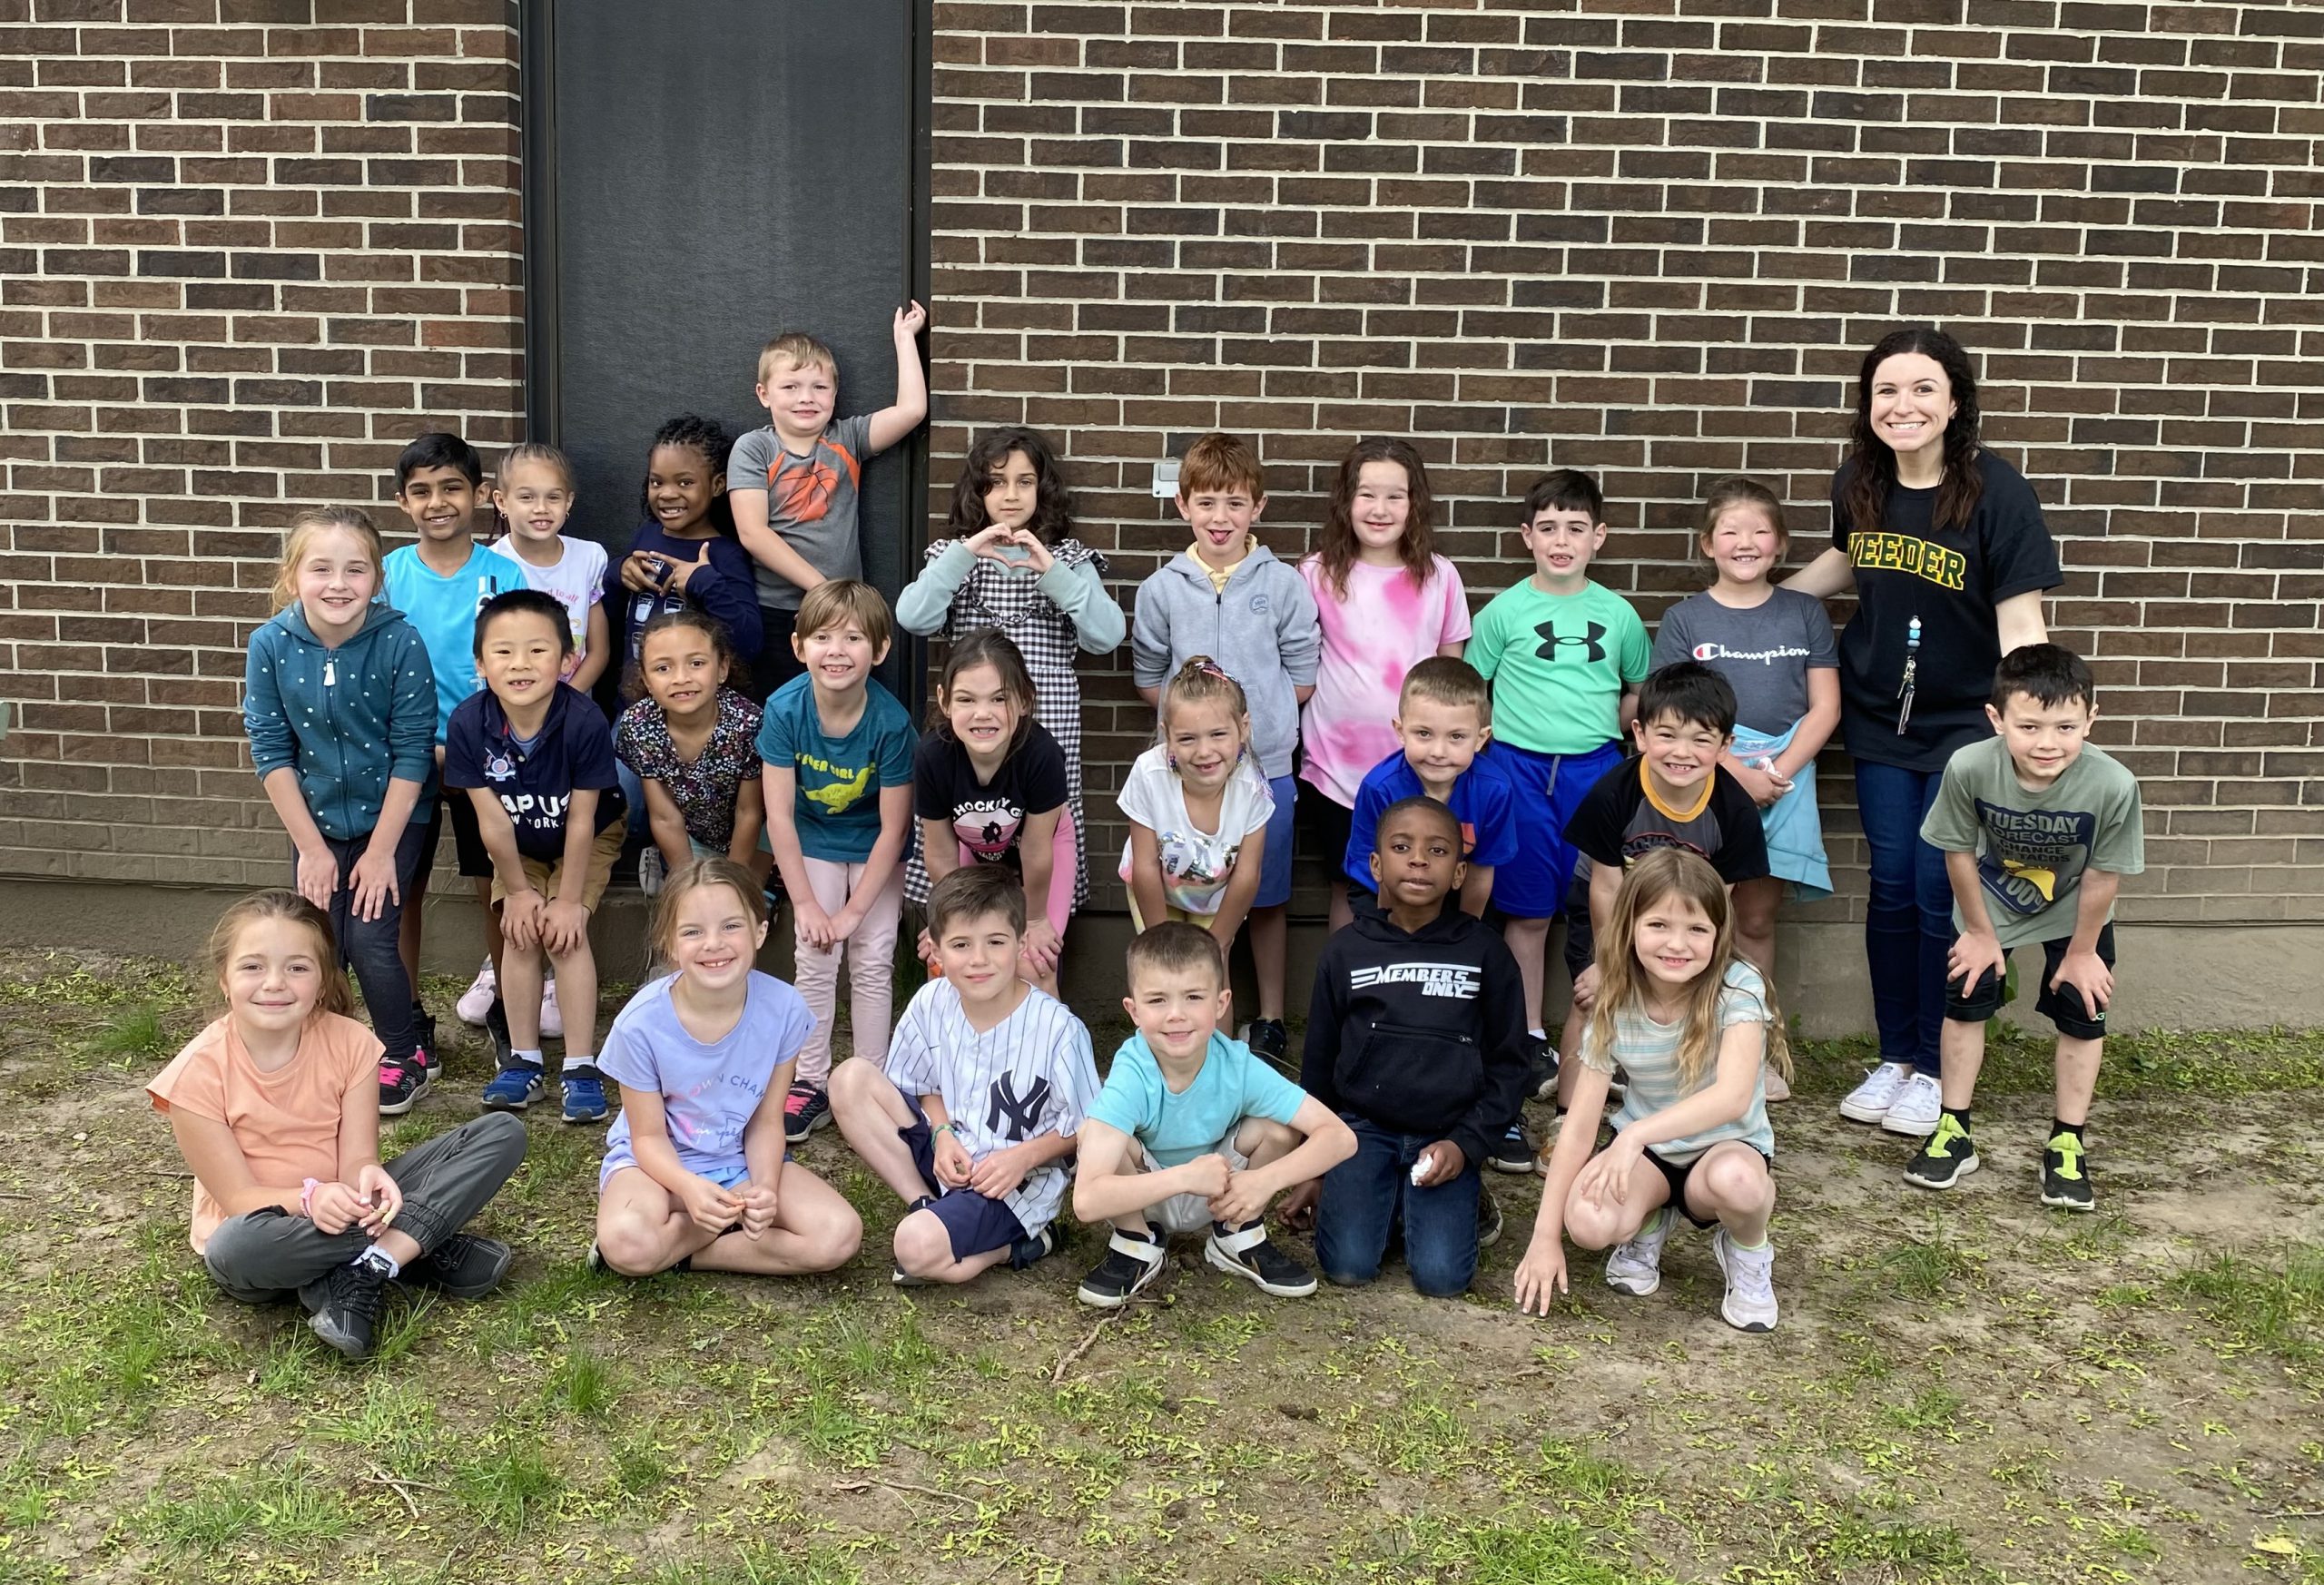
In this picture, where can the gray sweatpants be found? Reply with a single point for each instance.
(266, 1256)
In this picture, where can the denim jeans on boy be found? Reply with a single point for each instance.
(1365, 1195)
(1908, 918)
(373, 948)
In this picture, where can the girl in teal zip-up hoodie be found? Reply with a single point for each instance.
(338, 700)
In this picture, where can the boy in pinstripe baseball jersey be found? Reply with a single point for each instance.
(987, 1081)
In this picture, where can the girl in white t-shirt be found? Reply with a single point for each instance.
(533, 492)
(1197, 807)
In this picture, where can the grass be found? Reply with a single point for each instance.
(1964, 1389)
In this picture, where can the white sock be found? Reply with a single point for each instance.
(1539, 1034)
(530, 1057)
(375, 1256)
(571, 1062)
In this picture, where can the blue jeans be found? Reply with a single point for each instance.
(1364, 1196)
(633, 792)
(1908, 919)
(373, 948)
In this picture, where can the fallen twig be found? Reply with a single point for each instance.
(1072, 1356)
(868, 1481)
(380, 1477)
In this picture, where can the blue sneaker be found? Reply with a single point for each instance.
(585, 1097)
(514, 1088)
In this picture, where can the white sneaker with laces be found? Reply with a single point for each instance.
(1917, 1107)
(553, 1016)
(1635, 1267)
(1869, 1102)
(477, 1000)
(1750, 1302)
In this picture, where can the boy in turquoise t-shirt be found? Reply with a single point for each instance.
(439, 585)
(1565, 657)
(1194, 1132)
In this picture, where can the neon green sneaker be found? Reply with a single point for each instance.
(2065, 1173)
(1946, 1158)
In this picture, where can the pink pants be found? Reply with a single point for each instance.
(871, 967)
(1065, 859)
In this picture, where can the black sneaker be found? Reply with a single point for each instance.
(343, 1305)
(1945, 1157)
(1515, 1152)
(1039, 1245)
(496, 1024)
(1488, 1219)
(423, 1030)
(464, 1266)
(1270, 1039)
(1246, 1252)
(1132, 1260)
(1540, 1067)
(804, 1109)
(402, 1081)
(2065, 1173)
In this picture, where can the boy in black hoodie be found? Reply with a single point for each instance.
(1416, 1036)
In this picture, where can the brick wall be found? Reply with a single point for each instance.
(1651, 238)
(245, 254)
(242, 255)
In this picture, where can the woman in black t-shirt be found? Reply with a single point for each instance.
(1945, 547)
(989, 787)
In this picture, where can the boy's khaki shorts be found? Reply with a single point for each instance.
(544, 877)
(1188, 1213)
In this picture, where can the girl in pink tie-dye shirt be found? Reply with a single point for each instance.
(1387, 601)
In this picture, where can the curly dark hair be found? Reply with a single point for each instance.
(1872, 466)
(1052, 517)
(709, 437)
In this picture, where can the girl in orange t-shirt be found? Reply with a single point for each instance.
(276, 1108)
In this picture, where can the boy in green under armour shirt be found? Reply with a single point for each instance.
(1565, 656)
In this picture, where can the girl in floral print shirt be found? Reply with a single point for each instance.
(693, 742)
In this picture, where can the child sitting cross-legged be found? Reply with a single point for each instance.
(1416, 1038)
(1193, 1132)
(1693, 1023)
(695, 1177)
(973, 1116)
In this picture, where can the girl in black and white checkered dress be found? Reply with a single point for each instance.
(1013, 565)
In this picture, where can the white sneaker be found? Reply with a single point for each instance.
(477, 1000)
(1869, 1102)
(1917, 1107)
(1635, 1267)
(1750, 1302)
(553, 1016)
(652, 871)
(1777, 1090)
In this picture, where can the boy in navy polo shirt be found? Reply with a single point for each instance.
(1443, 716)
(535, 759)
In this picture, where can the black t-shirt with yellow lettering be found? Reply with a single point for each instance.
(1951, 579)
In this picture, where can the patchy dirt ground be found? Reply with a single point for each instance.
(1965, 1387)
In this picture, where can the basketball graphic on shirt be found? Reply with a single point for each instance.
(800, 489)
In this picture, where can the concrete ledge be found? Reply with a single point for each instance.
(2171, 976)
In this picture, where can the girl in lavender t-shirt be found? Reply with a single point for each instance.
(1387, 602)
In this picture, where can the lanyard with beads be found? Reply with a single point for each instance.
(1912, 670)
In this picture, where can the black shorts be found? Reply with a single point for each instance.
(467, 837)
(1677, 1176)
(2063, 1007)
(1324, 829)
(1581, 939)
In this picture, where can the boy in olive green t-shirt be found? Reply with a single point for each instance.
(2038, 830)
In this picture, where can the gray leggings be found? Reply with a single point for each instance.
(266, 1256)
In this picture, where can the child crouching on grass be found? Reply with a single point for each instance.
(1194, 1133)
(1693, 1022)
(695, 1177)
(972, 1117)
(276, 1108)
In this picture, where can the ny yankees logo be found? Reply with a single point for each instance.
(1550, 641)
(1021, 1113)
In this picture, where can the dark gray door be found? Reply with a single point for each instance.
(702, 175)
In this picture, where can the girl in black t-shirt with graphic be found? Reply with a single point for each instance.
(989, 786)
(1948, 557)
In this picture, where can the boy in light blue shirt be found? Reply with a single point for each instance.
(1194, 1131)
(439, 585)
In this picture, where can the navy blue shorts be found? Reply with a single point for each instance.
(973, 1223)
(1549, 787)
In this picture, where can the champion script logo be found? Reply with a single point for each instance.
(1550, 640)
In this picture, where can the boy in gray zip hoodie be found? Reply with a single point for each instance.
(338, 699)
(1226, 597)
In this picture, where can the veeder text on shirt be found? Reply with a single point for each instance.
(1890, 552)
(1457, 982)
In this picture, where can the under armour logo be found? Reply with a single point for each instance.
(1550, 641)
(1021, 1114)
